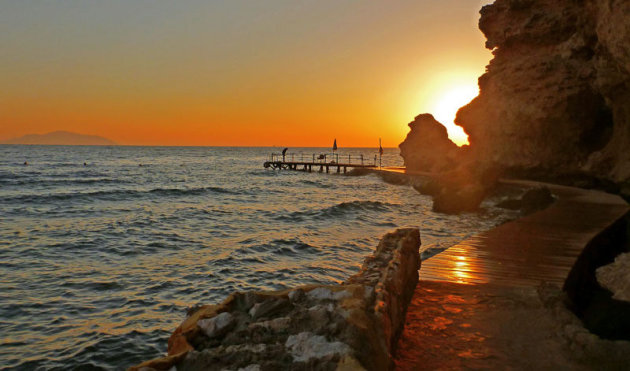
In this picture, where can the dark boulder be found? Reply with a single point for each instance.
(463, 189)
(427, 147)
(536, 199)
(532, 200)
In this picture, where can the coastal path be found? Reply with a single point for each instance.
(485, 302)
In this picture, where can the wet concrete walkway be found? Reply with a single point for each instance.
(477, 305)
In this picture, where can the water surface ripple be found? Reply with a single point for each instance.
(100, 262)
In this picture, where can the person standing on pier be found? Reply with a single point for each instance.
(284, 153)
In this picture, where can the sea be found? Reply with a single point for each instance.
(103, 248)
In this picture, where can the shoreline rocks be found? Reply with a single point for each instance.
(532, 200)
(601, 313)
(615, 277)
(354, 325)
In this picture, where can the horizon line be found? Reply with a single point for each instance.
(179, 145)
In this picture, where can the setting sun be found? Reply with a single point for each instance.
(446, 106)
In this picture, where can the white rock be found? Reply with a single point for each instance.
(615, 277)
(279, 324)
(306, 345)
(254, 309)
(214, 326)
(340, 295)
(322, 293)
(276, 324)
(253, 367)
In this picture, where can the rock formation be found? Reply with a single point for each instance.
(427, 147)
(615, 277)
(532, 200)
(601, 313)
(555, 97)
(352, 326)
(554, 103)
(464, 188)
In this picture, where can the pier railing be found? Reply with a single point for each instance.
(325, 158)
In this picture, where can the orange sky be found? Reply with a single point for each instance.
(238, 72)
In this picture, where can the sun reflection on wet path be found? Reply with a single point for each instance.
(476, 305)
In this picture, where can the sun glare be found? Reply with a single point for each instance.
(446, 107)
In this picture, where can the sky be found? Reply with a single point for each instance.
(236, 73)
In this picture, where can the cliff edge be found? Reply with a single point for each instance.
(555, 97)
(554, 103)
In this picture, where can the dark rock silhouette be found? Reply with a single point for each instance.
(457, 184)
(427, 147)
(61, 138)
(532, 200)
(463, 189)
(600, 312)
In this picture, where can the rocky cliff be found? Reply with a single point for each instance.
(556, 96)
(554, 102)
(352, 326)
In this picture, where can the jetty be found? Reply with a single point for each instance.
(320, 162)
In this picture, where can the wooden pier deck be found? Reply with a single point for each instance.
(318, 166)
(319, 162)
(476, 305)
(535, 248)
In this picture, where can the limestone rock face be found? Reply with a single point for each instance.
(556, 96)
(352, 326)
(427, 147)
(615, 277)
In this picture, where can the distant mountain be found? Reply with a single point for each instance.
(62, 138)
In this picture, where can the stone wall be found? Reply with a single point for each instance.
(354, 325)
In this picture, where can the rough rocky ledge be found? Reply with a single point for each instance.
(351, 326)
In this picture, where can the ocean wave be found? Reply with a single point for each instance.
(339, 210)
(119, 194)
(317, 184)
(60, 182)
(100, 351)
(261, 251)
(343, 208)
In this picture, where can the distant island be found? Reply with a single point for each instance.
(62, 138)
